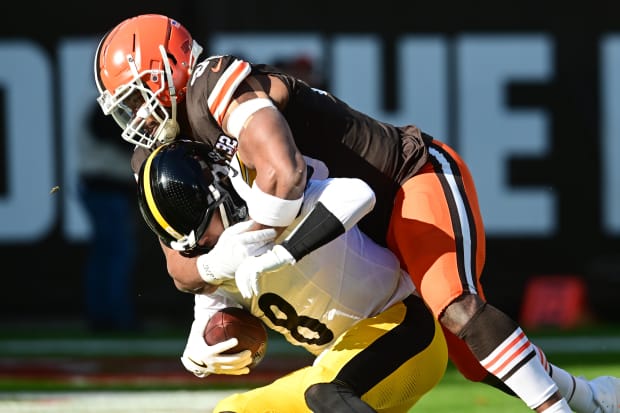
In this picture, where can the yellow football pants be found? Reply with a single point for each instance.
(391, 360)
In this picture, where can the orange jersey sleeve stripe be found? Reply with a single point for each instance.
(220, 97)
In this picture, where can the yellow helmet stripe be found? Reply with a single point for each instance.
(150, 201)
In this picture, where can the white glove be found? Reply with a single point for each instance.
(202, 359)
(251, 268)
(234, 245)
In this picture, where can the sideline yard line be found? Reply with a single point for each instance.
(91, 347)
(112, 402)
(116, 347)
(173, 347)
(610, 344)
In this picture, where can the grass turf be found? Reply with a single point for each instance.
(454, 393)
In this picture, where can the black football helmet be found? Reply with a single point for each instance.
(180, 186)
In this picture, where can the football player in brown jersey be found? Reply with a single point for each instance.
(427, 211)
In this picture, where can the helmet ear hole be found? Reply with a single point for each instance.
(174, 60)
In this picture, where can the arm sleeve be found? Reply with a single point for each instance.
(206, 305)
(316, 168)
(333, 206)
(348, 199)
(204, 308)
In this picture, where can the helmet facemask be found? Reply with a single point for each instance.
(233, 209)
(189, 243)
(151, 123)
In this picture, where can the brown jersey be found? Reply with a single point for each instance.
(349, 142)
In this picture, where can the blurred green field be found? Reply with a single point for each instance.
(588, 352)
(455, 394)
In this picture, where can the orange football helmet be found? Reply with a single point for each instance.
(142, 68)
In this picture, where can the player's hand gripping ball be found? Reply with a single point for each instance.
(239, 323)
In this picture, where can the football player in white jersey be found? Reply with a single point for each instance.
(336, 293)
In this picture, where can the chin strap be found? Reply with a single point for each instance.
(169, 132)
(224, 216)
(171, 127)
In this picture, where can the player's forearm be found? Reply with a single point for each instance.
(348, 199)
(336, 206)
(206, 305)
(269, 150)
(277, 193)
(184, 272)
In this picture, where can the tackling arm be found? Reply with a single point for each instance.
(266, 145)
(332, 206)
(184, 272)
(203, 273)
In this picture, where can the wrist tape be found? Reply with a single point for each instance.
(271, 210)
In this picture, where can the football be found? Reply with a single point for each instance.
(240, 323)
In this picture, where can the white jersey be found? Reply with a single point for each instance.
(325, 293)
